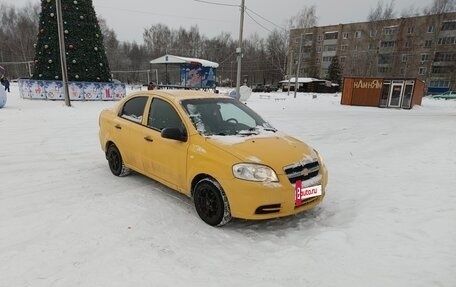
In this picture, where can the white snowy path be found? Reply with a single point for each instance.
(389, 217)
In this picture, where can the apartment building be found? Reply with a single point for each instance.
(422, 47)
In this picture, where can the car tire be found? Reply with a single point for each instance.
(116, 163)
(211, 202)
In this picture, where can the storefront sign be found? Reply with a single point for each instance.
(367, 84)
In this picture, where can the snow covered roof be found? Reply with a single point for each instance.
(171, 59)
(303, 80)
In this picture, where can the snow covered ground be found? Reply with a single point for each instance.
(389, 217)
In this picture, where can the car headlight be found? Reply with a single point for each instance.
(254, 172)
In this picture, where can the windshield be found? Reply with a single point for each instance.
(224, 117)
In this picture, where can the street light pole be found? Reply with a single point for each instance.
(239, 52)
(58, 7)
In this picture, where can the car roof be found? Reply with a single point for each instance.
(184, 94)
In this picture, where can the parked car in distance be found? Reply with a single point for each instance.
(449, 95)
(270, 88)
(257, 88)
(214, 149)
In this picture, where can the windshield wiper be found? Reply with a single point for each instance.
(270, 129)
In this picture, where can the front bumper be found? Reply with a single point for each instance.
(260, 200)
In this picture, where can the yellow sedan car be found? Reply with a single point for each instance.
(214, 149)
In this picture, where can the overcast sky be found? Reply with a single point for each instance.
(129, 18)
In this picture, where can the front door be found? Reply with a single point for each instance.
(395, 96)
(408, 94)
(385, 94)
(164, 159)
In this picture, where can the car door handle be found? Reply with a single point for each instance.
(147, 138)
(118, 127)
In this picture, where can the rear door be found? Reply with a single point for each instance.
(129, 125)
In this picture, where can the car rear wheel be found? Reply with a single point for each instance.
(116, 163)
(211, 203)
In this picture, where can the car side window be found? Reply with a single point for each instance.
(163, 115)
(133, 109)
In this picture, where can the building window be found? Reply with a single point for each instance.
(430, 29)
(384, 59)
(390, 30)
(428, 44)
(407, 44)
(387, 44)
(410, 30)
(441, 69)
(372, 33)
(448, 26)
(402, 71)
(440, 84)
(345, 35)
(404, 58)
(309, 37)
(422, 71)
(319, 38)
(444, 57)
(447, 40)
(344, 47)
(327, 59)
(384, 70)
(424, 58)
(318, 49)
(317, 61)
(358, 34)
(329, 48)
(331, 35)
(342, 59)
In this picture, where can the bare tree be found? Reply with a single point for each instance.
(18, 28)
(382, 11)
(277, 46)
(440, 7)
(158, 39)
(377, 17)
(305, 18)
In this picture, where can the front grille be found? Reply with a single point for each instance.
(302, 171)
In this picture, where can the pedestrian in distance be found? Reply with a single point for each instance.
(151, 86)
(6, 83)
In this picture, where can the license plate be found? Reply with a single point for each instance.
(302, 193)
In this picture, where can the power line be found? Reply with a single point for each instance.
(266, 19)
(158, 14)
(250, 16)
(216, 3)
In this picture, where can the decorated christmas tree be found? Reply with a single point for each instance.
(85, 53)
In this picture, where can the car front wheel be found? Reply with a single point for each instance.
(115, 161)
(211, 203)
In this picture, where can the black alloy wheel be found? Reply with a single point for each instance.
(211, 203)
(115, 161)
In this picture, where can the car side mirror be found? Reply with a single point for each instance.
(174, 134)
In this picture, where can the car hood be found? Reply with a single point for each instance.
(276, 151)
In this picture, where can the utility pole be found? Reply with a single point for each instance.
(58, 7)
(299, 65)
(239, 52)
(290, 70)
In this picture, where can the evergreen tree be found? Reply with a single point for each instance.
(85, 52)
(334, 71)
